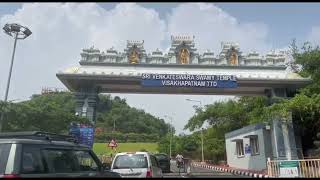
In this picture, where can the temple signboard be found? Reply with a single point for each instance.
(188, 80)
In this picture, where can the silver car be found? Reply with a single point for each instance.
(137, 164)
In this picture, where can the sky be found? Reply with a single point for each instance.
(62, 30)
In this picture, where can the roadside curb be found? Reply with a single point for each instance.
(233, 171)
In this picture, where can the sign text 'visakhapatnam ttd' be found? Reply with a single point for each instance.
(189, 80)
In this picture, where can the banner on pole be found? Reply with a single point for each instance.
(83, 133)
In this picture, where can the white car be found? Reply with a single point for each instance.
(136, 164)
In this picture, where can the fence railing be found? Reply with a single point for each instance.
(307, 168)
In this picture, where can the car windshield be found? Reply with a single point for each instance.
(130, 161)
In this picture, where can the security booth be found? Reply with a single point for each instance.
(251, 146)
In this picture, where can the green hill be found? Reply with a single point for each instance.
(54, 113)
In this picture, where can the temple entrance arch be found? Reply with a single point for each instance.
(182, 70)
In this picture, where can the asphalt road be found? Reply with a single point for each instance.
(198, 172)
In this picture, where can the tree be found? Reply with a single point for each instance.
(223, 117)
(42, 113)
(54, 113)
(305, 105)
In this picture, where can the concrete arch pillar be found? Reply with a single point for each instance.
(86, 103)
(282, 131)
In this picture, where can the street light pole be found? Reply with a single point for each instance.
(202, 154)
(17, 32)
(202, 161)
(11, 65)
(9, 78)
(170, 138)
(170, 135)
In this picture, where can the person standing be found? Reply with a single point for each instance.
(179, 160)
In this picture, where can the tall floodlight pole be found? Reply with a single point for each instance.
(17, 32)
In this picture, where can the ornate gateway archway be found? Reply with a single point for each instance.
(182, 70)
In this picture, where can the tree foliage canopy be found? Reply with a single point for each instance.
(55, 112)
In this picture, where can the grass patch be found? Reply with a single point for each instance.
(101, 148)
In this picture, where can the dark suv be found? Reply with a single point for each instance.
(41, 154)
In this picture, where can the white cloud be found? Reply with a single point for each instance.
(61, 30)
(131, 22)
(211, 25)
